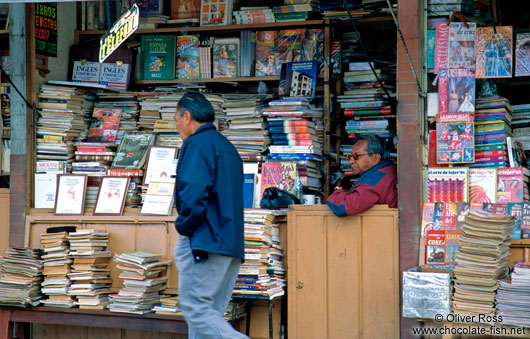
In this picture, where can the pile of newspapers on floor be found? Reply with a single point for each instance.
(20, 277)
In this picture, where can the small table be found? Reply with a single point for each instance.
(23, 317)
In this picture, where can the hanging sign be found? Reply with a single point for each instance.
(119, 32)
(46, 28)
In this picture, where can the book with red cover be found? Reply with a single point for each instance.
(510, 184)
(435, 248)
(104, 124)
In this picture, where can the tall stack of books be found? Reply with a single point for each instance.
(481, 261)
(144, 276)
(253, 15)
(167, 106)
(20, 277)
(149, 112)
(57, 263)
(261, 275)
(492, 127)
(247, 130)
(513, 296)
(90, 275)
(128, 104)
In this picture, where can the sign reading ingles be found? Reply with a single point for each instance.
(119, 32)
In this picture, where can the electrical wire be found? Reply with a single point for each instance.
(15, 87)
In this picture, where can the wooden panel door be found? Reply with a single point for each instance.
(343, 274)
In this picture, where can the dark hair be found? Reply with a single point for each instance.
(199, 107)
(375, 145)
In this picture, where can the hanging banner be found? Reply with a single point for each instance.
(119, 32)
(46, 29)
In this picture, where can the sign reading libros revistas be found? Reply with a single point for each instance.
(46, 29)
(119, 32)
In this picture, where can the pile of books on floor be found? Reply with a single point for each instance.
(90, 273)
(261, 276)
(20, 277)
(57, 265)
(481, 261)
(492, 127)
(144, 277)
(513, 296)
(246, 129)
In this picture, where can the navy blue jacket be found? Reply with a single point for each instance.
(209, 193)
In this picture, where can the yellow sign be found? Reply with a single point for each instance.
(119, 32)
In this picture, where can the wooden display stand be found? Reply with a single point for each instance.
(343, 273)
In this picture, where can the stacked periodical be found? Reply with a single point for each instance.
(128, 104)
(169, 305)
(144, 276)
(513, 296)
(57, 265)
(90, 273)
(20, 277)
(481, 260)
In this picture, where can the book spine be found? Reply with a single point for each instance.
(381, 111)
(122, 172)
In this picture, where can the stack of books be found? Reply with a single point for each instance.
(144, 276)
(169, 305)
(521, 119)
(128, 104)
(57, 265)
(492, 127)
(253, 15)
(513, 296)
(481, 261)
(149, 112)
(90, 273)
(473, 8)
(167, 106)
(247, 130)
(261, 276)
(20, 277)
(297, 12)
(236, 309)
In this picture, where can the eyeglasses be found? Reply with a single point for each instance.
(356, 156)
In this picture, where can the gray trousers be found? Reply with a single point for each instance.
(205, 289)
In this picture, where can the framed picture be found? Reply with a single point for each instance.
(70, 196)
(111, 196)
(161, 164)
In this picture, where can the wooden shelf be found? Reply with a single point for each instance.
(180, 81)
(229, 28)
(521, 242)
(4, 32)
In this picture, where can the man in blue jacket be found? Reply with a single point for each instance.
(209, 201)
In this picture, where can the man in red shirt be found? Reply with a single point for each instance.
(376, 184)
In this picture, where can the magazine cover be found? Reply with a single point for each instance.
(280, 175)
(463, 209)
(450, 214)
(482, 185)
(288, 46)
(185, 9)
(435, 248)
(522, 54)
(188, 60)
(158, 57)
(462, 45)
(515, 209)
(312, 47)
(132, 151)
(104, 124)
(441, 53)
(298, 79)
(265, 54)
(216, 12)
(225, 54)
(525, 221)
(455, 139)
(456, 91)
(451, 245)
(427, 219)
(447, 184)
(494, 52)
(510, 185)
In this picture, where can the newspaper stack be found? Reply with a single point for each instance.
(57, 264)
(144, 276)
(513, 296)
(262, 274)
(90, 273)
(482, 260)
(20, 277)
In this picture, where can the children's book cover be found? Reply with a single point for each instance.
(188, 60)
(280, 175)
(447, 184)
(265, 54)
(522, 54)
(435, 248)
(226, 58)
(510, 184)
(455, 138)
(158, 57)
(482, 185)
(494, 52)
(462, 45)
(451, 245)
(132, 151)
(298, 79)
(515, 209)
(104, 124)
(216, 12)
(441, 54)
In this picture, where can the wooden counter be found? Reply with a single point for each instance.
(342, 273)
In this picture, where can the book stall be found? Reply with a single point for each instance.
(99, 221)
(474, 248)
